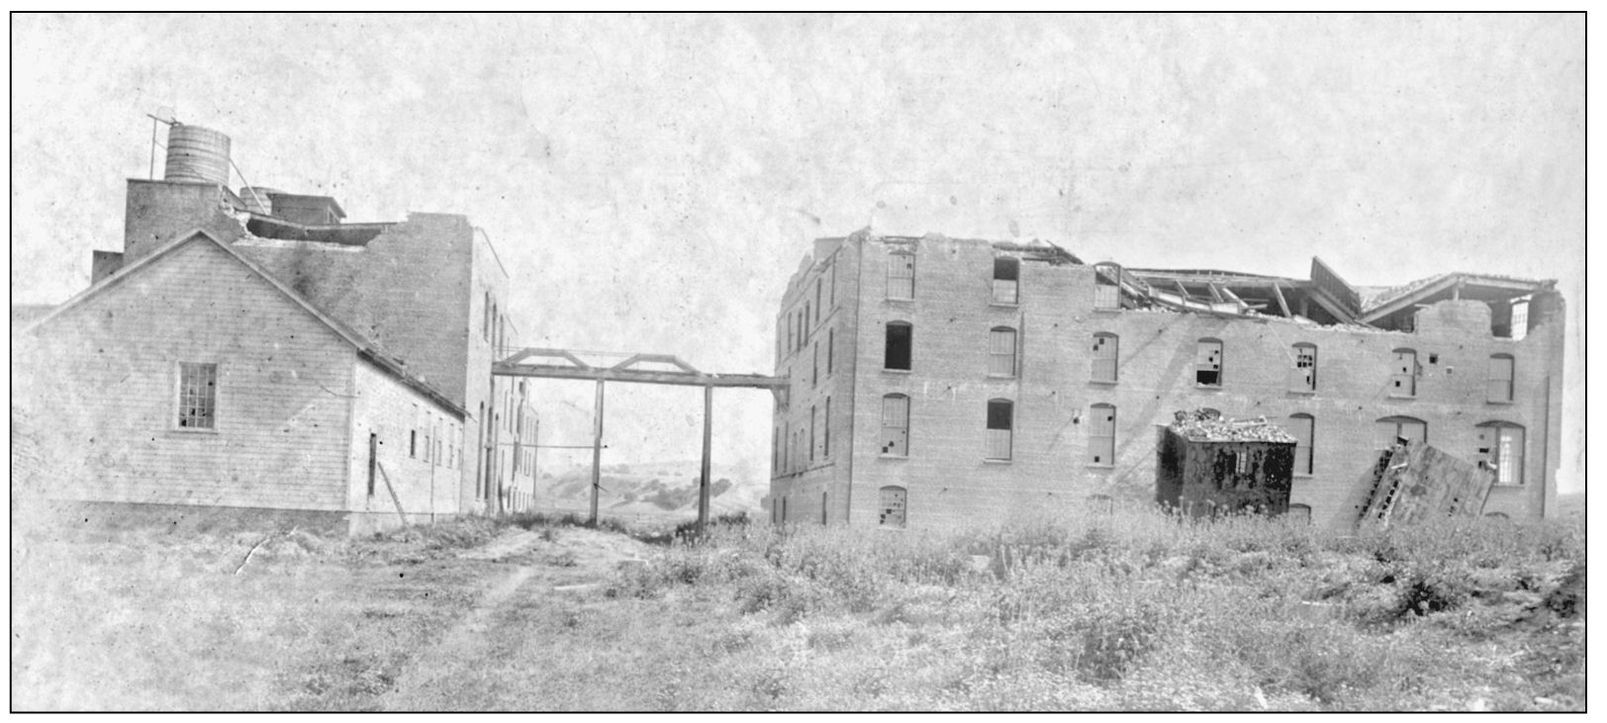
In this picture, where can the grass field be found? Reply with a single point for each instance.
(1124, 611)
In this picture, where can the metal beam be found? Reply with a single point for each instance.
(553, 371)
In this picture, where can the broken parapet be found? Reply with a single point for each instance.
(1416, 482)
(1208, 465)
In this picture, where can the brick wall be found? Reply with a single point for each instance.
(949, 481)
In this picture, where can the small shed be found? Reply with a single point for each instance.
(1211, 465)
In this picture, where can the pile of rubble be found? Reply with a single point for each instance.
(1203, 425)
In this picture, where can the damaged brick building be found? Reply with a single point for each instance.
(255, 352)
(939, 381)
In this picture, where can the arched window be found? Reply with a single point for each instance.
(895, 425)
(1499, 386)
(1103, 366)
(1002, 351)
(1500, 448)
(1403, 373)
(900, 274)
(1102, 435)
(1390, 429)
(1303, 427)
(1304, 376)
(1001, 425)
(1208, 363)
(1006, 280)
(900, 343)
(891, 504)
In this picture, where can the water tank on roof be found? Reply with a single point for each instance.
(197, 154)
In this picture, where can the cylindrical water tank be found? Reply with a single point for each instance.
(258, 199)
(197, 154)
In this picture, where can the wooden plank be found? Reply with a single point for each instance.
(1277, 293)
(388, 488)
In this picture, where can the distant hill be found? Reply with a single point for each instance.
(652, 488)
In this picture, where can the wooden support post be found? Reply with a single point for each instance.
(703, 482)
(1234, 298)
(1278, 294)
(1216, 293)
(596, 451)
(1182, 290)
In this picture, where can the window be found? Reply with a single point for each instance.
(900, 339)
(818, 287)
(412, 443)
(1302, 426)
(900, 275)
(811, 433)
(1102, 435)
(791, 342)
(827, 452)
(1002, 352)
(485, 327)
(1499, 387)
(834, 285)
(1006, 280)
(198, 395)
(814, 353)
(831, 340)
(1001, 421)
(783, 510)
(1103, 368)
(1107, 295)
(823, 508)
(1520, 318)
(891, 506)
(775, 451)
(804, 321)
(1208, 363)
(373, 460)
(1501, 449)
(786, 450)
(896, 425)
(1300, 513)
(1304, 378)
(1393, 428)
(1403, 374)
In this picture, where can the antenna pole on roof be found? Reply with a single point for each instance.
(162, 115)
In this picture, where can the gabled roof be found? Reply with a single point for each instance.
(366, 348)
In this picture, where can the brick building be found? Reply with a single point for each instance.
(939, 381)
(256, 351)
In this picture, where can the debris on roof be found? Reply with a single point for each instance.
(1203, 425)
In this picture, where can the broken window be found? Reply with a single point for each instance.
(1001, 422)
(1102, 435)
(890, 506)
(1304, 378)
(1403, 373)
(895, 425)
(1006, 280)
(1499, 387)
(900, 339)
(1103, 367)
(198, 395)
(1107, 295)
(1208, 363)
(1391, 429)
(1520, 318)
(1002, 351)
(900, 275)
(1302, 426)
(1500, 448)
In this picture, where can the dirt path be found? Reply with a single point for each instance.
(527, 563)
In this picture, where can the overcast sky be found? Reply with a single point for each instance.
(652, 182)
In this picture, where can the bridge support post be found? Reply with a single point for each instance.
(596, 451)
(703, 481)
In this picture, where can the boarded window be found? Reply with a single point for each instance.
(891, 504)
(900, 275)
(895, 425)
(1102, 434)
(1208, 363)
(1499, 387)
(1500, 448)
(1006, 280)
(1403, 373)
(198, 395)
(1105, 356)
(1391, 429)
(1304, 377)
(1002, 351)
(1001, 424)
(1302, 426)
(900, 340)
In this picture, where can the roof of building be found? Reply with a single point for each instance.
(1203, 426)
(307, 200)
(366, 348)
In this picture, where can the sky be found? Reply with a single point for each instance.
(651, 182)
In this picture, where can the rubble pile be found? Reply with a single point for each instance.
(1208, 426)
